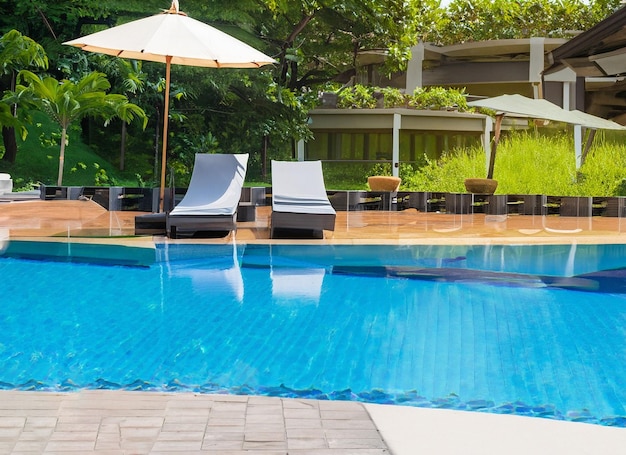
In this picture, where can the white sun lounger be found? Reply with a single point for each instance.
(299, 199)
(211, 201)
(6, 183)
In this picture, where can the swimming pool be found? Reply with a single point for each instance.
(531, 330)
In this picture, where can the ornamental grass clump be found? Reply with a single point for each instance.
(531, 163)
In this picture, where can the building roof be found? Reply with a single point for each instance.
(599, 51)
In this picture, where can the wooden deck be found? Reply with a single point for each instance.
(88, 220)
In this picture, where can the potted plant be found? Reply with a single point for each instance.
(481, 186)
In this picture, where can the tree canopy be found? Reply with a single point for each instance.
(315, 42)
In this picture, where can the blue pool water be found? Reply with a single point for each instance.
(533, 330)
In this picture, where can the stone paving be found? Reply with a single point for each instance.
(125, 422)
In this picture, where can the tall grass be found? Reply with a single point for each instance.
(529, 163)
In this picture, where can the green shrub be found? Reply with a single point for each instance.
(357, 97)
(439, 98)
(529, 163)
(604, 171)
(393, 97)
(448, 173)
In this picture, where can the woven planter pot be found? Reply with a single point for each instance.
(481, 186)
(384, 183)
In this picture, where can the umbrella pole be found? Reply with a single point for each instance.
(494, 145)
(166, 113)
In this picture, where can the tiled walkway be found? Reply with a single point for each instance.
(123, 422)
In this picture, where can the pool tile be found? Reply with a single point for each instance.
(352, 434)
(226, 422)
(264, 410)
(264, 428)
(300, 404)
(6, 446)
(306, 433)
(9, 433)
(306, 443)
(179, 446)
(182, 420)
(70, 446)
(140, 433)
(167, 427)
(27, 446)
(302, 423)
(74, 436)
(107, 445)
(306, 413)
(356, 443)
(180, 435)
(264, 419)
(348, 424)
(7, 422)
(214, 445)
(264, 445)
(255, 436)
(36, 434)
(224, 429)
(359, 414)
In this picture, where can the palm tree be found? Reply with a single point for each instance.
(127, 78)
(66, 102)
(17, 52)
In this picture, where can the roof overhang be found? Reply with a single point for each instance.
(599, 51)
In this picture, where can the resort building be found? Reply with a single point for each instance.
(570, 73)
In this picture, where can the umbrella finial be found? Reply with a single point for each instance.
(175, 8)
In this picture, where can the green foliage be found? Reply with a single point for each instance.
(439, 98)
(314, 42)
(65, 102)
(38, 163)
(353, 176)
(365, 97)
(393, 97)
(528, 163)
(448, 173)
(480, 20)
(101, 178)
(18, 52)
(357, 97)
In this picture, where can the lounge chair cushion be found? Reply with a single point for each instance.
(298, 187)
(215, 186)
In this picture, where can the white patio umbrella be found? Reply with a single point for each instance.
(172, 38)
(521, 106)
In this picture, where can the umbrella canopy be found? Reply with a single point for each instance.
(172, 38)
(521, 106)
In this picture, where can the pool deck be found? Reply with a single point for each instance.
(129, 422)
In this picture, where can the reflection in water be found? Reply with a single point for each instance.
(297, 285)
(210, 273)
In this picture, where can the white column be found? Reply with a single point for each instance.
(535, 67)
(578, 145)
(395, 145)
(414, 68)
(566, 95)
(300, 150)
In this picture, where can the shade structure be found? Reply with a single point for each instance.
(172, 37)
(518, 105)
(521, 106)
